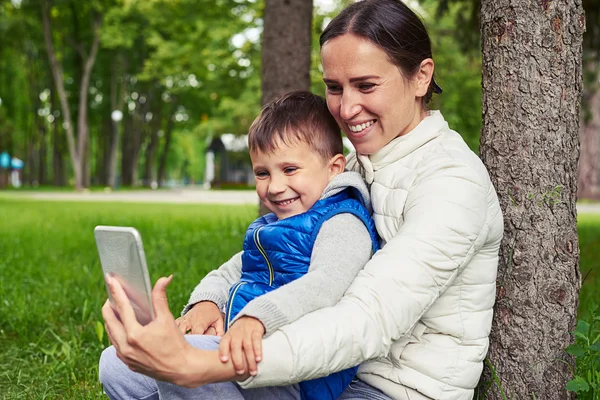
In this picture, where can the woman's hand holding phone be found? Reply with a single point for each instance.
(155, 349)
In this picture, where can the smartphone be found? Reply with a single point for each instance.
(122, 257)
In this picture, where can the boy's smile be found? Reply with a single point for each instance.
(290, 180)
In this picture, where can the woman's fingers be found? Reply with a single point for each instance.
(211, 331)
(159, 297)
(114, 328)
(219, 327)
(183, 325)
(122, 305)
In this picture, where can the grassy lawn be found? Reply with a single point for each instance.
(51, 287)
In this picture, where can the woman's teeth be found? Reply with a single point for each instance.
(358, 128)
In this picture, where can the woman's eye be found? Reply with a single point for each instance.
(334, 89)
(366, 86)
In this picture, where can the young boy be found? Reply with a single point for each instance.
(304, 254)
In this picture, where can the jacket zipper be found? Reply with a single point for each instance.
(264, 254)
(233, 292)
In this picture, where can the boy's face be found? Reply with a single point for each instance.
(291, 180)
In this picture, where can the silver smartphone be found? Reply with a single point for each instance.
(122, 257)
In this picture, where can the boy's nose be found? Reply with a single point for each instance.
(276, 186)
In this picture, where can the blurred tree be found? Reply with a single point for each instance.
(78, 140)
(589, 163)
(532, 82)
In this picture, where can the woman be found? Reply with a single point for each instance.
(418, 317)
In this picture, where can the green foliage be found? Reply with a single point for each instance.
(586, 350)
(457, 71)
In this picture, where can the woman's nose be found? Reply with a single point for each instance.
(349, 106)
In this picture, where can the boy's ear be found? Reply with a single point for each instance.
(337, 165)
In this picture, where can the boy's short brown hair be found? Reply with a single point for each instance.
(296, 117)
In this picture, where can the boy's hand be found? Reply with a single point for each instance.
(243, 341)
(204, 318)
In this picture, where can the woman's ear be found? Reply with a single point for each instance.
(423, 77)
(337, 165)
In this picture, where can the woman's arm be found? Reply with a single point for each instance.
(444, 225)
(342, 248)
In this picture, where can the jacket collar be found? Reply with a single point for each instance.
(429, 128)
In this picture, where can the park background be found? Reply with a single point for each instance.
(149, 88)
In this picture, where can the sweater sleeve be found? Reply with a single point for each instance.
(215, 285)
(342, 248)
(445, 218)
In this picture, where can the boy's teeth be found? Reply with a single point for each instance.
(358, 128)
(285, 202)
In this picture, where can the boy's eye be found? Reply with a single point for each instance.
(290, 170)
(261, 174)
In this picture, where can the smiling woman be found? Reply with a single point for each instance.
(417, 318)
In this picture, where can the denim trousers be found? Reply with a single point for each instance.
(120, 383)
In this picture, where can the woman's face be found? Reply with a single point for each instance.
(367, 94)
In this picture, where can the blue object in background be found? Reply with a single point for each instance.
(4, 160)
(15, 163)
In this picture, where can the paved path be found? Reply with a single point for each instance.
(147, 196)
(588, 208)
(183, 195)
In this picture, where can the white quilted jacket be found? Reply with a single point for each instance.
(421, 310)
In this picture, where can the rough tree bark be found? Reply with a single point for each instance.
(285, 49)
(532, 83)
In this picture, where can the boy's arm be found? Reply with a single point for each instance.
(342, 248)
(215, 285)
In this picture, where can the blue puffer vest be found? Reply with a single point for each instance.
(277, 252)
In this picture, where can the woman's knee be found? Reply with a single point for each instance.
(108, 366)
(119, 382)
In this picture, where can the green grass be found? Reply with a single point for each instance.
(51, 287)
(588, 226)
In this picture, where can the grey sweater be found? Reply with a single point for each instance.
(342, 248)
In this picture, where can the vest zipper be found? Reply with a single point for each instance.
(264, 254)
(233, 293)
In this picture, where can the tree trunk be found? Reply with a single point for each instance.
(286, 46)
(532, 86)
(162, 163)
(58, 166)
(117, 102)
(589, 164)
(126, 151)
(76, 147)
(150, 174)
